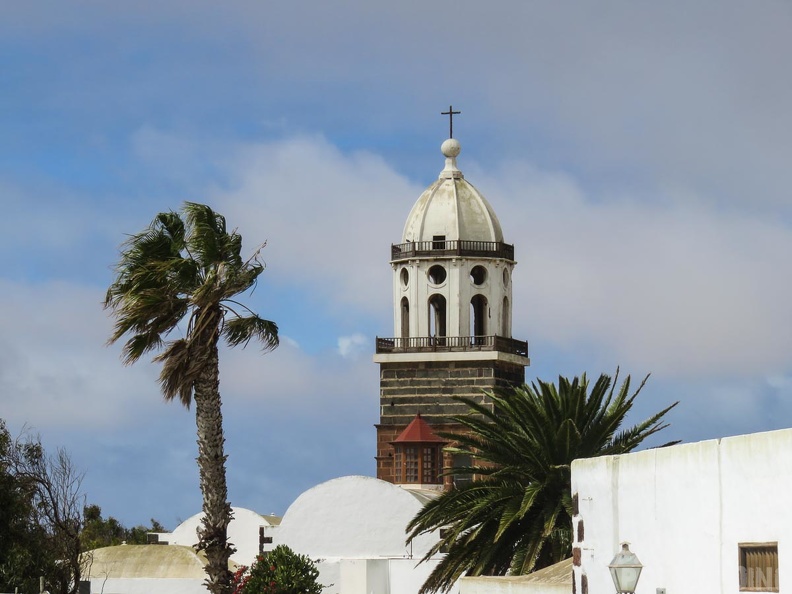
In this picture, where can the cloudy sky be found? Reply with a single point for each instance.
(638, 155)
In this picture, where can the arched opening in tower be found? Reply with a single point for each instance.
(478, 314)
(405, 318)
(506, 319)
(437, 316)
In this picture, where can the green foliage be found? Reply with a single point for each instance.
(22, 542)
(280, 571)
(139, 534)
(39, 517)
(100, 532)
(515, 515)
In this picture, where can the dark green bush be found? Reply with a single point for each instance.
(280, 571)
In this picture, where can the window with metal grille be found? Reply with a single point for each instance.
(399, 466)
(429, 461)
(462, 461)
(759, 567)
(418, 463)
(410, 464)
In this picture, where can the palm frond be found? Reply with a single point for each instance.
(139, 344)
(181, 367)
(182, 268)
(240, 330)
(516, 513)
(206, 237)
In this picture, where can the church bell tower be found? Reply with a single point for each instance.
(452, 314)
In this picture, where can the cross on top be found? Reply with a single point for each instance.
(450, 113)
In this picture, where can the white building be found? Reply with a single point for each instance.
(707, 517)
(704, 517)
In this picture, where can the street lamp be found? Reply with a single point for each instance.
(625, 570)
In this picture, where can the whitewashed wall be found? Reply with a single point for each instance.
(374, 576)
(140, 569)
(509, 585)
(147, 586)
(684, 509)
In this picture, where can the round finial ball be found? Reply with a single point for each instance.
(451, 147)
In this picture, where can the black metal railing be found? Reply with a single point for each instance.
(440, 344)
(457, 247)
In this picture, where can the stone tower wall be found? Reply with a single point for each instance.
(410, 388)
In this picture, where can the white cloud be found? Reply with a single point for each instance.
(671, 92)
(328, 217)
(288, 341)
(55, 370)
(350, 347)
(674, 283)
(58, 378)
(54, 366)
(679, 289)
(780, 382)
(292, 382)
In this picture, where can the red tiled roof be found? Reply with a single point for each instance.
(418, 431)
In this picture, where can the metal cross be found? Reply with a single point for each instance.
(450, 113)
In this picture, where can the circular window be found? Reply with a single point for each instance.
(405, 277)
(505, 277)
(437, 274)
(478, 275)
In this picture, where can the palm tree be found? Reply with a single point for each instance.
(182, 273)
(515, 516)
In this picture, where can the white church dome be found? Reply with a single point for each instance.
(452, 208)
(355, 517)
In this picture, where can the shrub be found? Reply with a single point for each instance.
(280, 571)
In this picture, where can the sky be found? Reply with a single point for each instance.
(637, 154)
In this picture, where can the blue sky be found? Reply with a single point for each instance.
(636, 153)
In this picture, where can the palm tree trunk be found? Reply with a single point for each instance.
(211, 466)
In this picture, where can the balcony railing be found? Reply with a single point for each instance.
(457, 247)
(446, 344)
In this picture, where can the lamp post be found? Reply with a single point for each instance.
(625, 570)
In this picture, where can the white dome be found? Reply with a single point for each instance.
(354, 517)
(452, 207)
(243, 533)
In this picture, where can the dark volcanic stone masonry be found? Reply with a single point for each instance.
(407, 389)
